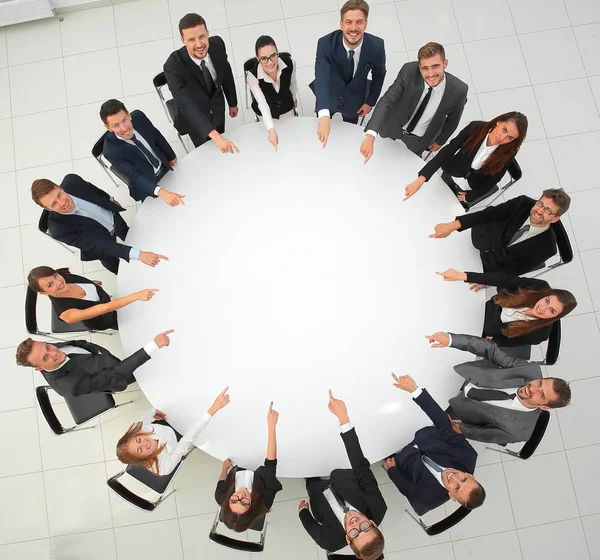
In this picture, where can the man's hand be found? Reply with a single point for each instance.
(97, 282)
(404, 382)
(413, 187)
(225, 146)
(461, 196)
(146, 295)
(159, 415)
(452, 275)
(162, 339)
(273, 138)
(272, 417)
(438, 340)
(171, 198)
(302, 505)
(434, 147)
(477, 287)
(117, 202)
(389, 463)
(338, 407)
(323, 130)
(366, 148)
(363, 110)
(221, 401)
(151, 259)
(444, 230)
(455, 424)
(173, 162)
(233, 112)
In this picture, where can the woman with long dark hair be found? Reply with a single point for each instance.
(155, 445)
(76, 299)
(523, 310)
(245, 495)
(476, 159)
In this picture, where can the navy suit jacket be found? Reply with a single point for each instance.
(441, 444)
(330, 86)
(132, 163)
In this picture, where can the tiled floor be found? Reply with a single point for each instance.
(538, 56)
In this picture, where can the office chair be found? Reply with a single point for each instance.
(43, 227)
(260, 526)
(565, 251)
(533, 442)
(553, 348)
(515, 173)
(99, 157)
(447, 523)
(168, 105)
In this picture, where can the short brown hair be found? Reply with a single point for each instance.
(355, 5)
(430, 50)
(563, 392)
(560, 198)
(23, 352)
(40, 188)
(373, 550)
(191, 20)
(476, 497)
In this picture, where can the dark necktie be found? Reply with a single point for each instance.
(350, 68)
(414, 121)
(153, 161)
(519, 233)
(210, 84)
(340, 501)
(490, 395)
(431, 463)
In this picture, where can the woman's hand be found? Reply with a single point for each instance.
(159, 415)
(452, 275)
(221, 401)
(272, 417)
(97, 282)
(461, 196)
(413, 187)
(477, 287)
(273, 138)
(145, 295)
(227, 463)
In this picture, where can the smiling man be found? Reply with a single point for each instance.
(422, 107)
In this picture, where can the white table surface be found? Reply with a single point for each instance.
(290, 273)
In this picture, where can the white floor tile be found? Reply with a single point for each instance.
(5, 109)
(588, 237)
(99, 545)
(555, 540)
(565, 150)
(141, 62)
(27, 99)
(146, 20)
(595, 85)
(384, 23)
(583, 11)
(10, 256)
(49, 144)
(588, 39)
(535, 496)
(508, 70)
(295, 489)
(435, 552)
(394, 63)
(434, 18)
(10, 216)
(581, 463)
(591, 528)
(292, 8)
(12, 319)
(21, 452)
(591, 265)
(475, 23)
(549, 14)
(3, 48)
(17, 384)
(89, 30)
(567, 107)
(85, 127)
(151, 541)
(499, 546)
(150, 104)
(213, 11)
(305, 32)
(552, 441)
(578, 421)
(27, 519)
(33, 41)
(245, 12)
(77, 499)
(485, 456)
(93, 76)
(33, 550)
(7, 154)
(571, 277)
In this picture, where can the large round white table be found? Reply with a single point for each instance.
(290, 273)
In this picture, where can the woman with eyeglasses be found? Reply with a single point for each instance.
(156, 446)
(76, 299)
(523, 310)
(245, 495)
(477, 158)
(272, 81)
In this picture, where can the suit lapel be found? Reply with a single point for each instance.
(193, 68)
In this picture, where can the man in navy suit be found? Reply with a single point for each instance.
(438, 464)
(84, 216)
(344, 59)
(138, 151)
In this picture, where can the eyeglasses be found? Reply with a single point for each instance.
(272, 58)
(364, 527)
(548, 211)
(244, 501)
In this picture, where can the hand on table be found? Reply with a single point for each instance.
(413, 187)
(366, 148)
(405, 382)
(323, 129)
(438, 340)
(162, 339)
(151, 259)
(171, 198)
(225, 146)
(452, 275)
(273, 138)
(159, 415)
(146, 295)
(338, 408)
(442, 230)
(477, 287)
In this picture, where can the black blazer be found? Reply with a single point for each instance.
(455, 161)
(330, 87)
(494, 227)
(94, 241)
(441, 444)
(131, 162)
(265, 483)
(100, 323)
(493, 325)
(196, 111)
(357, 486)
(98, 372)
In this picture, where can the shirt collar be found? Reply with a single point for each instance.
(527, 222)
(262, 75)
(356, 49)
(198, 62)
(126, 139)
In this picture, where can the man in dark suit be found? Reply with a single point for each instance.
(502, 396)
(514, 237)
(347, 508)
(438, 464)
(76, 367)
(86, 217)
(422, 107)
(138, 151)
(198, 74)
(344, 60)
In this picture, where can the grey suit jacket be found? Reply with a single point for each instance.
(498, 370)
(400, 101)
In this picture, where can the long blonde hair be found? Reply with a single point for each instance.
(124, 455)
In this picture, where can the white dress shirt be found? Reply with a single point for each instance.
(209, 65)
(244, 479)
(480, 158)
(509, 315)
(174, 450)
(533, 231)
(260, 96)
(514, 404)
(147, 146)
(91, 294)
(335, 506)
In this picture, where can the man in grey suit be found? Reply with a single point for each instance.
(422, 107)
(502, 396)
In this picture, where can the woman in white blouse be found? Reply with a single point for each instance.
(155, 446)
(477, 158)
(76, 299)
(272, 81)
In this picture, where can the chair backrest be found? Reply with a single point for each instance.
(514, 170)
(536, 437)
(336, 556)
(260, 525)
(448, 522)
(43, 400)
(99, 146)
(86, 407)
(159, 81)
(553, 349)
(31, 323)
(58, 326)
(562, 242)
(43, 222)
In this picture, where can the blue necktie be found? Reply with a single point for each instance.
(350, 71)
(153, 161)
(519, 233)
(431, 463)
